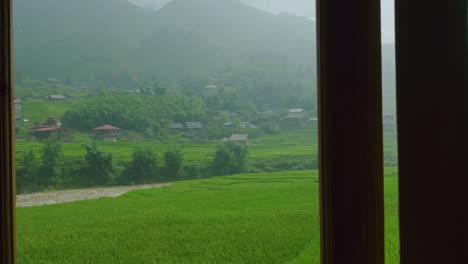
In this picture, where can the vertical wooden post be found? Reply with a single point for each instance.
(432, 104)
(351, 134)
(7, 138)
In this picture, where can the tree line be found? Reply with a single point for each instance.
(48, 168)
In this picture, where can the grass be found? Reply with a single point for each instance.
(297, 144)
(39, 111)
(250, 218)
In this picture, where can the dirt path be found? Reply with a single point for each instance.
(56, 197)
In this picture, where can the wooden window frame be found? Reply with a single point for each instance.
(350, 132)
(432, 94)
(7, 138)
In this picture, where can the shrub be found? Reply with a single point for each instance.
(230, 158)
(27, 173)
(142, 168)
(173, 163)
(191, 171)
(50, 171)
(98, 168)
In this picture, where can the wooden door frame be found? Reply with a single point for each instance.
(432, 98)
(7, 138)
(351, 132)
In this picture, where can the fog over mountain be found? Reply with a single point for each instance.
(118, 44)
(305, 8)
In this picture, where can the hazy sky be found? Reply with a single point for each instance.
(304, 8)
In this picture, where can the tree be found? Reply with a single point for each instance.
(50, 171)
(27, 173)
(173, 163)
(142, 168)
(230, 158)
(98, 168)
(158, 89)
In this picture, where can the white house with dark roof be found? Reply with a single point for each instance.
(297, 113)
(56, 97)
(194, 125)
(243, 138)
(247, 125)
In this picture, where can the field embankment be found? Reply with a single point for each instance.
(57, 197)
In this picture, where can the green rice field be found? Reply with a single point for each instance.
(249, 218)
(297, 144)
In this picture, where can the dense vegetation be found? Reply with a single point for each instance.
(250, 218)
(138, 113)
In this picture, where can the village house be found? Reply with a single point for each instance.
(60, 133)
(295, 113)
(389, 119)
(18, 107)
(229, 124)
(242, 138)
(194, 125)
(294, 118)
(56, 97)
(107, 133)
(247, 125)
(52, 127)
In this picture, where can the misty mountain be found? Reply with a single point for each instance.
(304, 8)
(91, 40)
(77, 39)
(201, 37)
(120, 44)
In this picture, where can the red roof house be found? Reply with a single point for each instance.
(60, 133)
(107, 133)
(106, 127)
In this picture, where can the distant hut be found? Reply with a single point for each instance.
(107, 133)
(53, 122)
(60, 133)
(194, 125)
(389, 119)
(247, 125)
(294, 118)
(229, 124)
(18, 107)
(297, 113)
(56, 97)
(242, 138)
